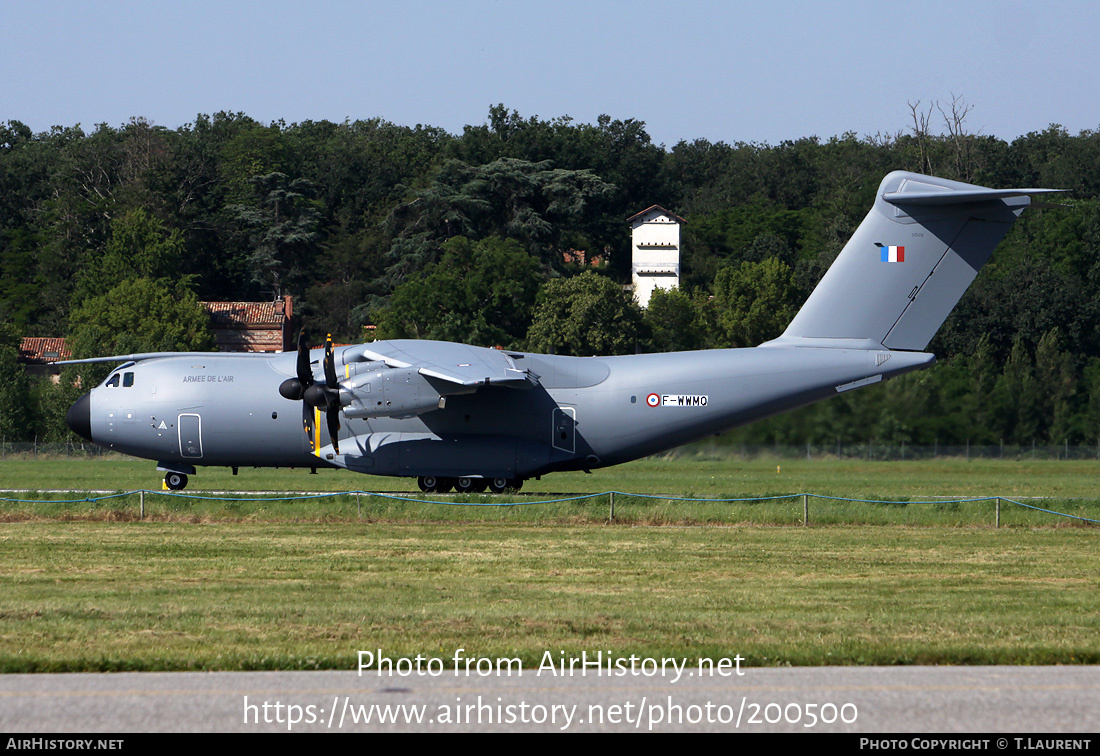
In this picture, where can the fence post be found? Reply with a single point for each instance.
(141, 495)
(358, 506)
(612, 498)
(998, 511)
(805, 510)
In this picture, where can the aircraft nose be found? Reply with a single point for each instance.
(79, 416)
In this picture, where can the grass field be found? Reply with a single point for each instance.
(701, 475)
(201, 585)
(111, 596)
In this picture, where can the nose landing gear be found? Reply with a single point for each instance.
(175, 481)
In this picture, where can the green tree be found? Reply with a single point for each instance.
(533, 203)
(674, 324)
(140, 247)
(51, 402)
(1018, 398)
(19, 291)
(138, 315)
(585, 315)
(754, 302)
(346, 284)
(1057, 384)
(16, 423)
(283, 224)
(479, 292)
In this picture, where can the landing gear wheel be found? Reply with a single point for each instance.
(434, 484)
(505, 485)
(467, 484)
(175, 481)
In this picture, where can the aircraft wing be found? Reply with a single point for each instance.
(160, 355)
(460, 364)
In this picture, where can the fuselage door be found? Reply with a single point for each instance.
(564, 429)
(190, 429)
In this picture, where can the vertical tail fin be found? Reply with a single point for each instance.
(905, 268)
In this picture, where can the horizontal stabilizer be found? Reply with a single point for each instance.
(948, 197)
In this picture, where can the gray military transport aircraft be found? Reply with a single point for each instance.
(472, 418)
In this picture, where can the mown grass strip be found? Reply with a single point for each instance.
(682, 476)
(118, 595)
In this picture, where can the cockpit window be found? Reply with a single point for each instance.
(127, 380)
(113, 381)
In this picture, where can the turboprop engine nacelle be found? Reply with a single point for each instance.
(390, 392)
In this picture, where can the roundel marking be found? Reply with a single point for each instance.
(653, 400)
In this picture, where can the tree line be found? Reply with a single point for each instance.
(112, 237)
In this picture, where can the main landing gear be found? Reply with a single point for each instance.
(175, 481)
(466, 484)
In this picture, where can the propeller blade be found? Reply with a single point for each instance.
(305, 374)
(332, 395)
(333, 416)
(307, 425)
(330, 365)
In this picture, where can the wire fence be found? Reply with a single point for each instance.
(68, 450)
(604, 498)
(880, 452)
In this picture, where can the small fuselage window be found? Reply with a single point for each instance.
(127, 380)
(114, 381)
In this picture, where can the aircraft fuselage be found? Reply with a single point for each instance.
(576, 413)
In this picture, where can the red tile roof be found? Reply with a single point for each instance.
(243, 314)
(251, 326)
(42, 351)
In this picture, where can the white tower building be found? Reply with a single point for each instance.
(655, 246)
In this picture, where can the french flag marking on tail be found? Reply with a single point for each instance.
(891, 254)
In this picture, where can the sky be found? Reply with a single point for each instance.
(717, 70)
